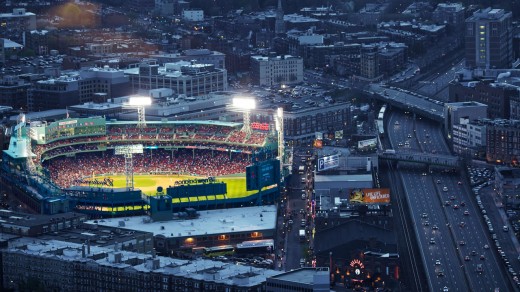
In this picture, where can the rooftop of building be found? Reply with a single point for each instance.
(508, 124)
(455, 7)
(509, 172)
(465, 104)
(210, 222)
(12, 218)
(200, 269)
(489, 14)
(17, 12)
(96, 235)
(43, 115)
(191, 53)
(275, 58)
(343, 177)
(304, 275)
(9, 44)
(297, 18)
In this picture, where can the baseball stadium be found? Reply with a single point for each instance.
(112, 168)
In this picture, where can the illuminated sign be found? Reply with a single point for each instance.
(318, 143)
(356, 263)
(367, 143)
(71, 122)
(370, 196)
(195, 181)
(260, 126)
(328, 162)
(106, 182)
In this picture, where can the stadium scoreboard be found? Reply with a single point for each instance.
(262, 174)
(196, 190)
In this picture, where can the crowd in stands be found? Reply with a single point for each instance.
(180, 135)
(237, 137)
(65, 171)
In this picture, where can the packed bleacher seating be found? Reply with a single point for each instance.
(64, 171)
(237, 137)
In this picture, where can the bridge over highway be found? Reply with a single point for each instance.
(429, 159)
(407, 100)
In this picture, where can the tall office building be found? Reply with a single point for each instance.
(489, 41)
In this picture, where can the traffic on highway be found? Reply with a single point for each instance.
(453, 239)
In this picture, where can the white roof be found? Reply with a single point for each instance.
(209, 222)
(215, 271)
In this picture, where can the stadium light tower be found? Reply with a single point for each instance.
(245, 104)
(128, 151)
(139, 102)
(279, 130)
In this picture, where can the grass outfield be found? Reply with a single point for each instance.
(236, 185)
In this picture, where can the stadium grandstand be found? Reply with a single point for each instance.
(74, 162)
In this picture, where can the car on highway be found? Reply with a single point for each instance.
(466, 213)
(424, 215)
(447, 203)
(434, 227)
(473, 253)
(426, 223)
(409, 135)
(480, 269)
(455, 207)
(482, 257)
(438, 262)
(453, 198)
(462, 242)
(432, 240)
(467, 258)
(462, 204)
(462, 224)
(445, 189)
(505, 228)
(487, 247)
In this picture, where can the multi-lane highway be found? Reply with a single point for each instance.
(451, 236)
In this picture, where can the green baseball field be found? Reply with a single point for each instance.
(236, 185)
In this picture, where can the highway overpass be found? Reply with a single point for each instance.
(429, 159)
(409, 101)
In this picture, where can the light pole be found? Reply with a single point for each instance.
(139, 102)
(245, 104)
(281, 147)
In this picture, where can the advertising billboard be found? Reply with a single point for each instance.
(369, 196)
(367, 143)
(328, 162)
